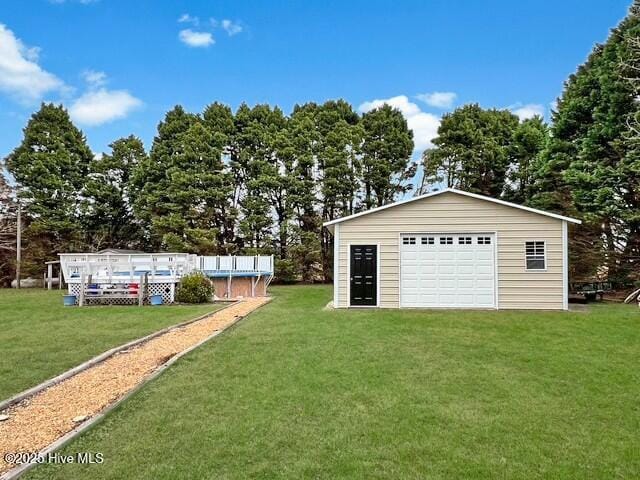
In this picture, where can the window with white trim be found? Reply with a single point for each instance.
(409, 240)
(428, 240)
(446, 240)
(484, 240)
(536, 255)
(464, 241)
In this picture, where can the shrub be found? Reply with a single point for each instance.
(286, 271)
(194, 288)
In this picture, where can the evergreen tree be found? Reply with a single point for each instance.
(339, 162)
(151, 178)
(529, 139)
(629, 167)
(472, 150)
(304, 139)
(8, 210)
(589, 168)
(184, 188)
(107, 214)
(50, 167)
(339, 168)
(386, 150)
(219, 121)
(254, 162)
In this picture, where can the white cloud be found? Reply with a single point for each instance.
(529, 110)
(20, 74)
(186, 18)
(96, 107)
(94, 78)
(424, 125)
(438, 99)
(196, 39)
(231, 27)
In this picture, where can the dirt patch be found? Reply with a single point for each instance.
(38, 421)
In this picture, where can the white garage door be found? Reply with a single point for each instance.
(447, 270)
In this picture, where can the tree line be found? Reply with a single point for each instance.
(219, 182)
(258, 180)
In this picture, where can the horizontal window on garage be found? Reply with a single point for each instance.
(465, 240)
(408, 240)
(446, 240)
(536, 255)
(484, 240)
(428, 240)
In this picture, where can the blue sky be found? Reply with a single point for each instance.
(119, 65)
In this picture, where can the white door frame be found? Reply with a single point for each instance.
(377, 244)
(496, 283)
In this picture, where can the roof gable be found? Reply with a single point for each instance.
(458, 192)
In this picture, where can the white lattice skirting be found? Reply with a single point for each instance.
(167, 290)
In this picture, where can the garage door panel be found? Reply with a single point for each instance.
(484, 270)
(427, 283)
(465, 300)
(486, 300)
(447, 298)
(457, 274)
(465, 269)
(465, 255)
(487, 283)
(446, 269)
(411, 270)
(447, 283)
(484, 254)
(409, 256)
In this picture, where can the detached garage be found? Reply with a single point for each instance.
(451, 249)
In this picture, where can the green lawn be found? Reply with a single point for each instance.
(40, 338)
(294, 391)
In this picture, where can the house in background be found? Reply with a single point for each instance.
(451, 249)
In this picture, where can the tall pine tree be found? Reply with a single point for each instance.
(50, 167)
(472, 150)
(386, 151)
(589, 166)
(108, 218)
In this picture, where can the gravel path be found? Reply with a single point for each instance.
(38, 421)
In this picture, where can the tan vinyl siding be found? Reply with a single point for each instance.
(451, 212)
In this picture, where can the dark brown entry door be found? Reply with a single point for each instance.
(364, 279)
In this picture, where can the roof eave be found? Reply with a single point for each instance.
(460, 192)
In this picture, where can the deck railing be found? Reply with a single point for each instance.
(258, 263)
(117, 266)
(169, 266)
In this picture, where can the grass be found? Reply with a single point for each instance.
(40, 338)
(295, 391)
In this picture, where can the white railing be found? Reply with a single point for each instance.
(167, 266)
(121, 266)
(259, 263)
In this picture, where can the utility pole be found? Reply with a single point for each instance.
(18, 244)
